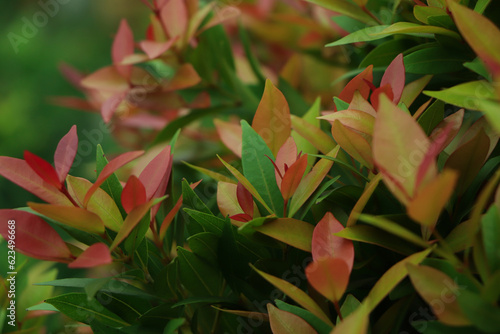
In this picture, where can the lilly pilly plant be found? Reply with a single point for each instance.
(389, 224)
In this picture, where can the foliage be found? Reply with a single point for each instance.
(391, 224)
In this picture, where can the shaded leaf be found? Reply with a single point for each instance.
(283, 322)
(197, 276)
(319, 325)
(482, 315)
(329, 276)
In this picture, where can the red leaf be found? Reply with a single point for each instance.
(155, 49)
(43, 169)
(156, 174)
(109, 106)
(241, 217)
(123, 45)
(109, 169)
(34, 237)
(287, 155)
(65, 153)
(19, 172)
(292, 177)
(329, 276)
(394, 76)
(387, 90)
(245, 199)
(358, 84)
(326, 244)
(96, 255)
(133, 194)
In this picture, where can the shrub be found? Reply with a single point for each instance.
(389, 224)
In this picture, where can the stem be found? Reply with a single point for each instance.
(337, 309)
(66, 193)
(371, 14)
(285, 207)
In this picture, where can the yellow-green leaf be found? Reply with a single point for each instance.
(291, 231)
(353, 143)
(413, 28)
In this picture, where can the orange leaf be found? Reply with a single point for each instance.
(106, 79)
(272, 118)
(353, 143)
(358, 84)
(326, 244)
(109, 169)
(19, 172)
(123, 45)
(133, 194)
(329, 276)
(287, 155)
(283, 322)
(155, 49)
(185, 77)
(394, 76)
(78, 218)
(230, 134)
(292, 177)
(43, 169)
(65, 153)
(34, 237)
(96, 255)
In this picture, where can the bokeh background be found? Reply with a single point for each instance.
(76, 32)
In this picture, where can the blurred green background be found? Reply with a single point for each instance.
(79, 33)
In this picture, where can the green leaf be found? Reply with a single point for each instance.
(481, 6)
(349, 305)
(356, 323)
(413, 28)
(111, 185)
(197, 276)
(77, 307)
(432, 116)
(208, 221)
(210, 173)
(173, 325)
(205, 246)
(477, 66)
(413, 90)
(490, 228)
(483, 315)
(192, 200)
(363, 35)
(42, 307)
(434, 60)
(346, 8)
(254, 63)
(383, 54)
(319, 325)
(259, 170)
(296, 294)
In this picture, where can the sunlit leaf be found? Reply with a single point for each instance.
(78, 218)
(96, 255)
(413, 89)
(33, 236)
(414, 28)
(353, 119)
(283, 322)
(106, 79)
(362, 35)
(356, 323)
(174, 17)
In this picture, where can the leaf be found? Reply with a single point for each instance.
(353, 143)
(133, 218)
(358, 83)
(430, 200)
(283, 322)
(482, 315)
(413, 28)
(329, 276)
(356, 323)
(272, 118)
(123, 46)
(106, 79)
(434, 60)
(154, 49)
(65, 153)
(191, 199)
(259, 170)
(287, 155)
(326, 244)
(319, 325)
(452, 124)
(313, 134)
(111, 185)
(311, 182)
(480, 33)
(43, 169)
(353, 119)
(468, 159)
(133, 194)
(185, 77)
(79, 308)
(96, 255)
(245, 199)
(174, 17)
(33, 236)
(156, 174)
(439, 291)
(19, 172)
(413, 89)
(210, 173)
(101, 203)
(227, 200)
(78, 218)
(391, 278)
(346, 8)
(367, 34)
(197, 276)
(299, 296)
(109, 169)
(291, 231)
(394, 76)
(292, 177)
(432, 116)
(243, 180)
(399, 146)
(490, 230)
(230, 134)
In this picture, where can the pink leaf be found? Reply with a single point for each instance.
(133, 194)
(174, 16)
(96, 255)
(394, 76)
(157, 173)
(43, 169)
(109, 169)
(106, 79)
(155, 49)
(287, 155)
(33, 236)
(65, 153)
(123, 45)
(109, 106)
(326, 244)
(245, 199)
(19, 172)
